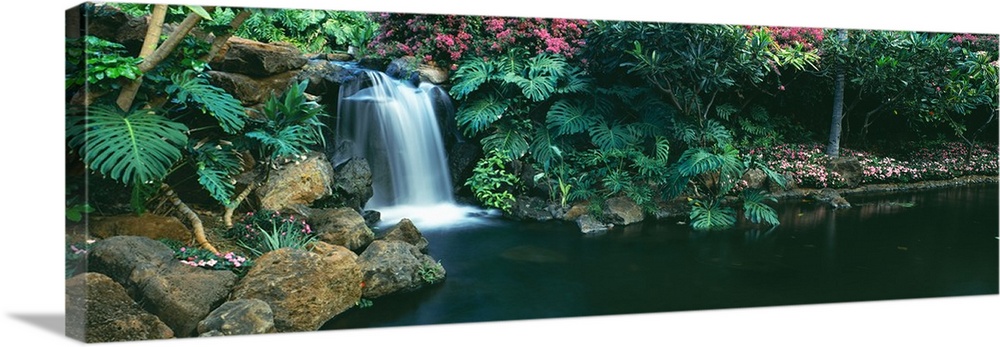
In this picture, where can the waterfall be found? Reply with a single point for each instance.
(394, 126)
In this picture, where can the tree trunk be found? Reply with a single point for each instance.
(149, 43)
(227, 217)
(833, 146)
(154, 58)
(220, 40)
(197, 229)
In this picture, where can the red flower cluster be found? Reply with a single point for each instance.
(445, 39)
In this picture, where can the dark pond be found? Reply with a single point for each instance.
(916, 245)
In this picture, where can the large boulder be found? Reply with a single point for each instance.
(304, 289)
(180, 295)
(238, 317)
(252, 90)
(354, 183)
(848, 169)
(99, 310)
(590, 225)
(258, 59)
(297, 184)
(149, 225)
(396, 267)
(407, 232)
(340, 226)
(404, 69)
(622, 211)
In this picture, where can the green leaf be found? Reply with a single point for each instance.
(711, 216)
(471, 74)
(190, 86)
(476, 116)
(200, 11)
(507, 141)
(756, 211)
(605, 137)
(569, 117)
(137, 146)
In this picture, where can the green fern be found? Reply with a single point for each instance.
(711, 216)
(756, 210)
(568, 117)
(136, 146)
(189, 86)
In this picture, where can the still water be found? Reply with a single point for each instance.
(915, 245)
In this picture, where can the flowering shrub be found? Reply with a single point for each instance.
(786, 37)
(265, 231)
(443, 40)
(807, 164)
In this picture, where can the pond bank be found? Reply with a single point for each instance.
(891, 187)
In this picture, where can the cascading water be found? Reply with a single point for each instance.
(394, 126)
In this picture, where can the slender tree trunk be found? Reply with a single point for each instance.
(220, 40)
(833, 146)
(149, 43)
(197, 229)
(227, 217)
(154, 58)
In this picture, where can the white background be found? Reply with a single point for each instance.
(32, 195)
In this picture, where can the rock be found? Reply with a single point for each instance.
(588, 224)
(432, 74)
(297, 184)
(848, 168)
(258, 59)
(340, 226)
(462, 159)
(180, 295)
(304, 289)
(530, 208)
(576, 211)
(404, 69)
(623, 211)
(371, 216)
(252, 90)
(149, 225)
(110, 23)
(183, 295)
(99, 310)
(325, 77)
(353, 184)
(755, 178)
(832, 197)
(396, 267)
(238, 317)
(407, 232)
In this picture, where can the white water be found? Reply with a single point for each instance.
(393, 125)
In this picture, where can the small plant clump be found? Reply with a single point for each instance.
(203, 258)
(266, 230)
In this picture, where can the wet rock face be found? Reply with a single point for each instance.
(590, 225)
(99, 310)
(252, 90)
(304, 289)
(354, 183)
(396, 267)
(180, 295)
(297, 184)
(238, 317)
(531, 208)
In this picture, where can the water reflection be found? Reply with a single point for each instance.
(927, 244)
